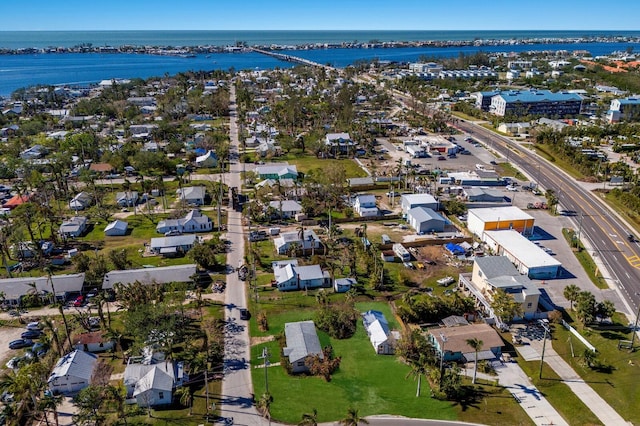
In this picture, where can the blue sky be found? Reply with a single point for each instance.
(318, 15)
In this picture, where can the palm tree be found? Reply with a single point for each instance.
(59, 305)
(48, 325)
(353, 418)
(571, 293)
(50, 403)
(419, 368)
(185, 396)
(476, 344)
(309, 419)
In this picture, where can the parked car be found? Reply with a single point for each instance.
(31, 334)
(14, 363)
(442, 158)
(244, 314)
(20, 343)
(79, 301)
(40, 349)
(172, 233)
(35, 325)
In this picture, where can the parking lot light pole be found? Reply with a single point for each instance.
(544, 344)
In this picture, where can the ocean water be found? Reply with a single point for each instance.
(18, 71)
(22, 39)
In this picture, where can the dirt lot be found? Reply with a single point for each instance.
(7, 334)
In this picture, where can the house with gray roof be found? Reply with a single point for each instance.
(365, 205)
(302, 341)
(74, 227)
(288, 208)
(72, 372)
(160, 275)
(192, 195)
(306, 242)
(493, 273)
(194, 221)
(81, 201)
(117, 228)
(290, 276)
(152, 384)
(172, 246)
(64, 285)
(127, 198)
(339, 142)
(425, 220)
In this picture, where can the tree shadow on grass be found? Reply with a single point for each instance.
(469, 397)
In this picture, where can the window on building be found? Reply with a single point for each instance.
(529, 305)
(161, 395)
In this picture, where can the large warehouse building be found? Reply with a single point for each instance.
(499, 218)
(527, 257)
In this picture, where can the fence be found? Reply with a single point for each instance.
(579, 336)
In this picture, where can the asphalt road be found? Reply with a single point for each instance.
(596, 222)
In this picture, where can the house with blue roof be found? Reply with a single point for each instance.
(536, 102)
(626, 109)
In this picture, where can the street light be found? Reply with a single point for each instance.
(545, 326)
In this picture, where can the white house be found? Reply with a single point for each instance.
(308, 241)
(302, 341)
(289, 276)
(81, 201)
(365, 205)
(192, 195)
(117, 228)
(288, 208)
(72, 372)
(194, 221)
(339, 142)
(172, 246)
(425, 220)
(73, 227)
(152, 384)
(382, 339)
(210, 159)
(127, 198)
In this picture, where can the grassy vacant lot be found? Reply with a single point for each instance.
(306, 163)
(373, 384)
(618, 382)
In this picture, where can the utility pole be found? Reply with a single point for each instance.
(545, 326)
(635, 326)
(265, 357)
(442, 353)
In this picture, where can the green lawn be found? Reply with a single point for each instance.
(619, 387)
(306, 163)
(585, 260)
(373, 384)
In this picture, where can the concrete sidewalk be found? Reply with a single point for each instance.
(528, 396)
(580, 388)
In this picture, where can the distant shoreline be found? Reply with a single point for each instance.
(240, 46)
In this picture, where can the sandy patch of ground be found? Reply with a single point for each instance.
(260, 340)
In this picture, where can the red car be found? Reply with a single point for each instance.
(79, 301)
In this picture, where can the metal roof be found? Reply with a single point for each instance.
(175, 241)
(492, 214)
(302, 340)
(77, 364)
(424, 214)
(162, 275)
(522, 249)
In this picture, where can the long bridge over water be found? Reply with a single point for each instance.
(294, 59)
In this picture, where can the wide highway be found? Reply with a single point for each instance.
(607, 234)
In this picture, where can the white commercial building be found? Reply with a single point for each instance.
(527, 257)
(499, 218)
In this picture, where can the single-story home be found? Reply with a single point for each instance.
(127, 198)
(380, 336)
(277, 171)
(425, 220)
(308, 241)
(172, 246)
(64, 285)
(151, 385)
(160, 275)
(116, 228)
(210, 159)
(289, 208)
(194, 221)
(74, 227)
(342, 285)
(93, 341)
(302, 341)
(72, 372)
(289, 276)
(451, 342)
(192, 195)
(81, 201)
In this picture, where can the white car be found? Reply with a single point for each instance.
(512, 188)
(34, 326)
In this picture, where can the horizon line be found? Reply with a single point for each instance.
(312, 30)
